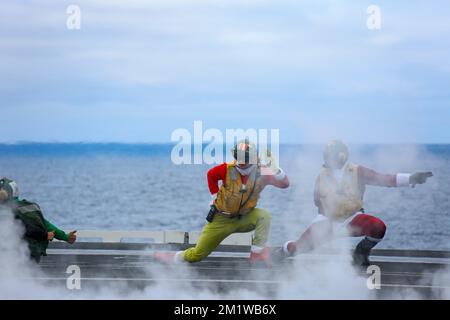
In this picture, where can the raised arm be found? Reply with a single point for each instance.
(278, 179)
(272, 173)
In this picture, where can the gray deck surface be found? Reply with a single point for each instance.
(228, 268)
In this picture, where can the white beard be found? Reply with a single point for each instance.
(246, 171)
(339, 173)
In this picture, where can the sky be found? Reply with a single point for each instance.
(136, 71)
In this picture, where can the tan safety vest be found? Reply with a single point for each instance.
(231, 198)
(340, 200)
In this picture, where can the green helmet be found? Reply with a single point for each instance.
(10, 186)
(335, 154)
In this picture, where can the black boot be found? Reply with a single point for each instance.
(362, 252)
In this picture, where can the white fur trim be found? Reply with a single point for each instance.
(403, 179)
(178, 258)
(257, 249)
(285, 246)
(339, 174)
(318, 218)
(373, 239)
(280, 175)
(246, 171)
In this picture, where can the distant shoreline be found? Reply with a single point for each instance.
(114, 148)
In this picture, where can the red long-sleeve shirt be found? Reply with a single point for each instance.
(219, 173)
(366, 176)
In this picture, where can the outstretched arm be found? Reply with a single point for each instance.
(59, 234)
(370, 177)
(70, 237)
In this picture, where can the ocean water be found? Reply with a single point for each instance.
(137, 187)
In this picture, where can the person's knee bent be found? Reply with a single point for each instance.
(264, 215)
(194, 255)
(195, 258)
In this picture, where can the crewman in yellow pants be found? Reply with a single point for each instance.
(222, 226)
(233, 208)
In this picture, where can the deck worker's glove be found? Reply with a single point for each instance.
(72, 237)
(419, 178)
(213, 199)
(50, 235)
(272, 164)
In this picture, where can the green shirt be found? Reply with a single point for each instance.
(31, 215)
(59, 234)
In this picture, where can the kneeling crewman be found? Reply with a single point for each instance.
(38, 230)
(233, 208)
(339, 197)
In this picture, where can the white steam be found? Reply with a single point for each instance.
(327, 277)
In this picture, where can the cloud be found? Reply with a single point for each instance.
(384, 40)
(197, 53)
(251, 38)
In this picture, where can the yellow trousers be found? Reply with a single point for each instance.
(222, 226)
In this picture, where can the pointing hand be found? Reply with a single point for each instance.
(419, 178)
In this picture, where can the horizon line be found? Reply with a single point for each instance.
(21, 143)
